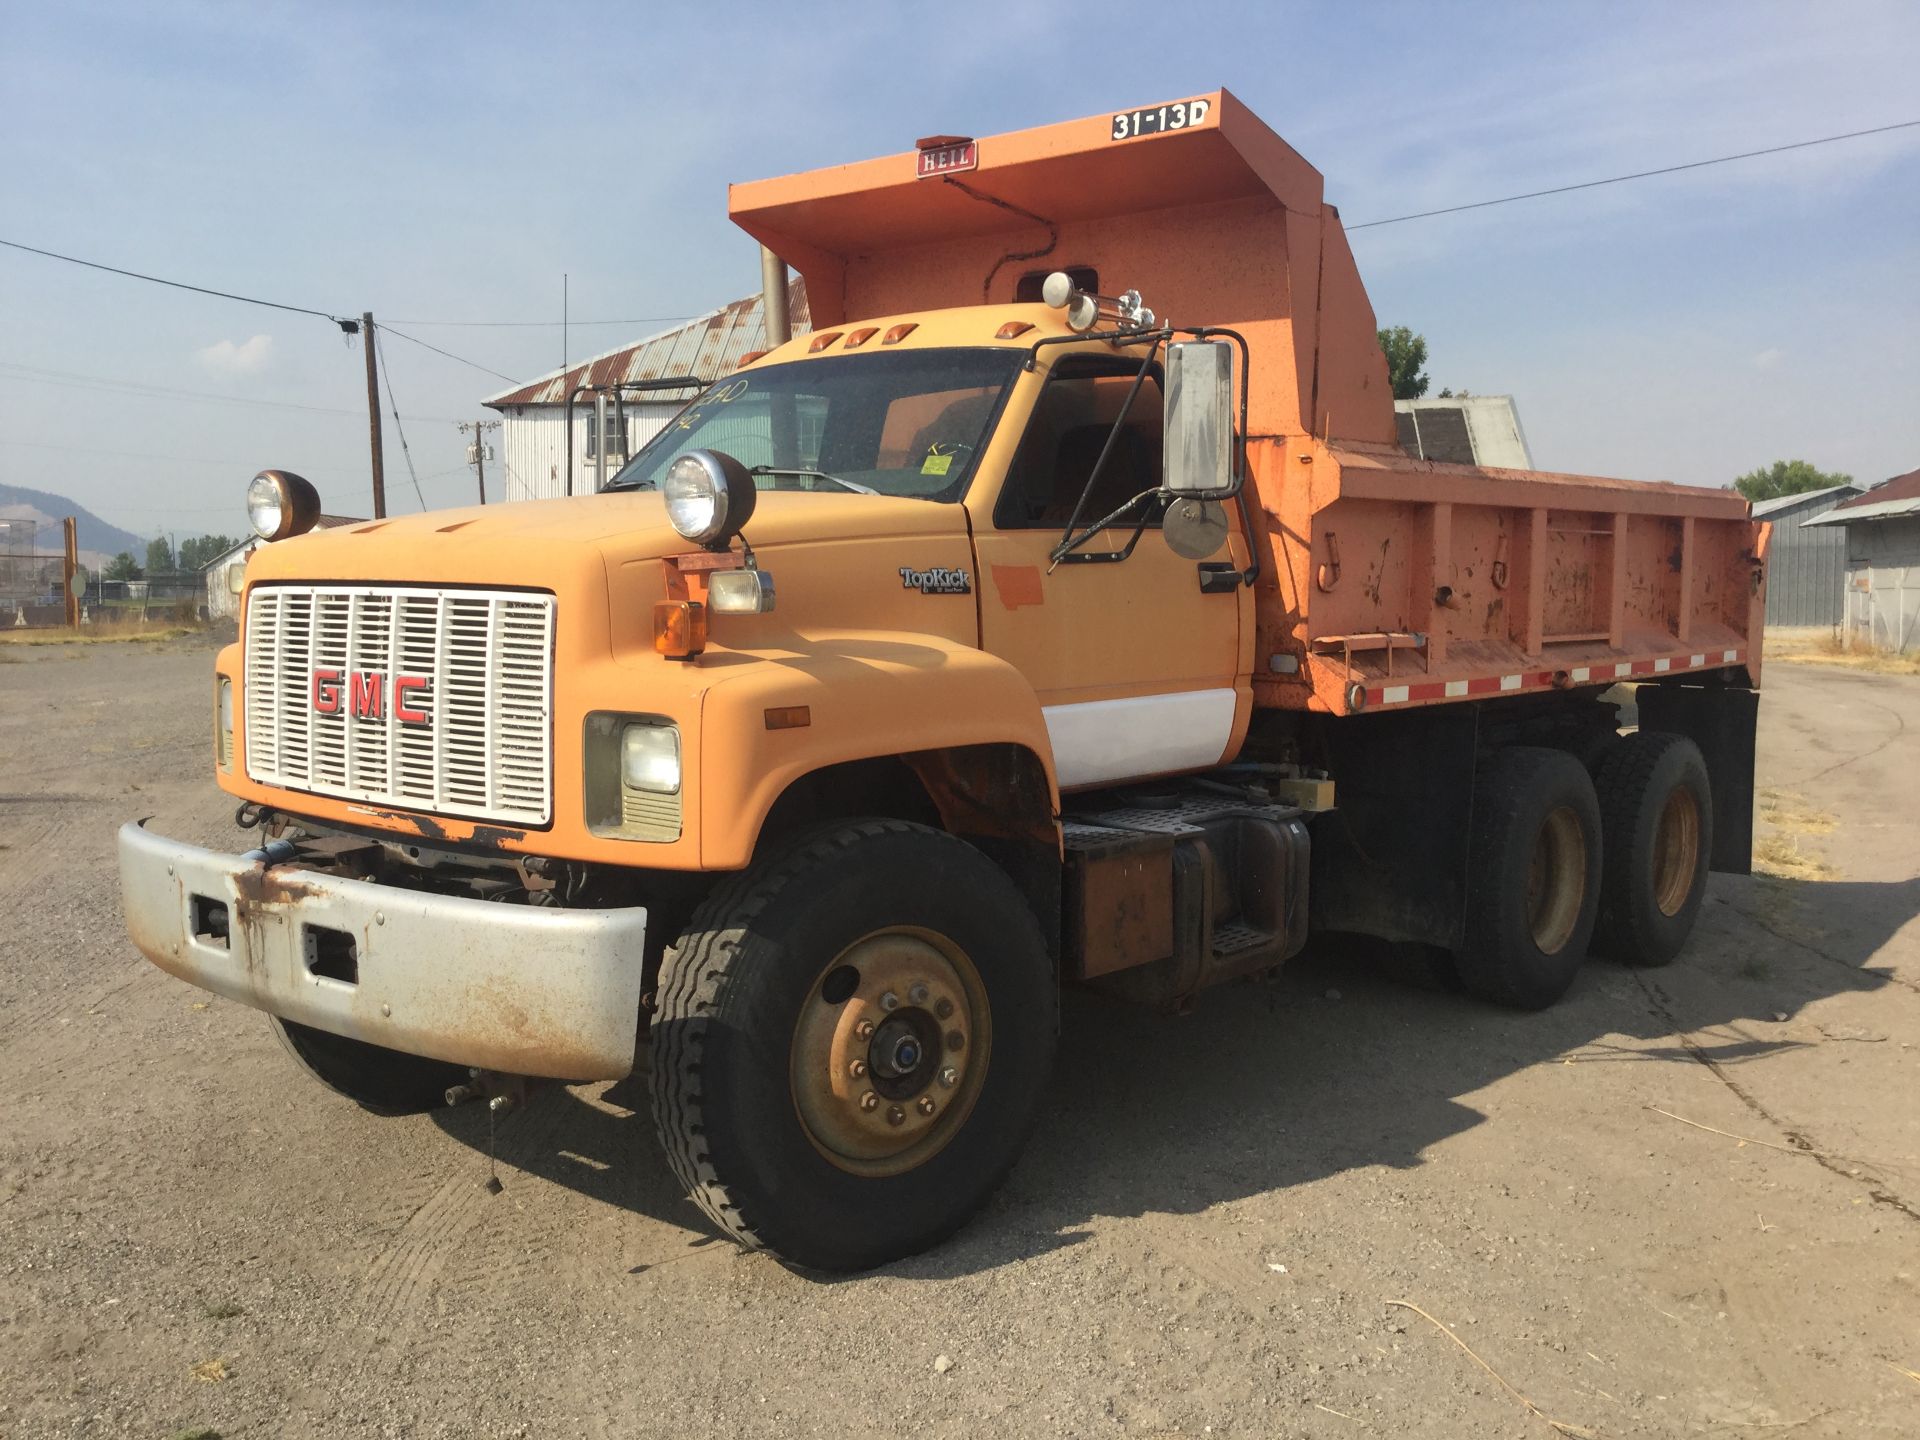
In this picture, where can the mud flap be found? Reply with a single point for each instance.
(1723, 722)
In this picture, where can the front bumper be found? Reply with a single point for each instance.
(513, 988)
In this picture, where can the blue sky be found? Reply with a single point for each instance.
(437, 162)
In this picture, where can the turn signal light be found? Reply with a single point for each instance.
(679, 628)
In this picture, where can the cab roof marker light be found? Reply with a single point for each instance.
(862, 335)
(1013, 330)
(899, 332)
(748, 358)
(822, 340)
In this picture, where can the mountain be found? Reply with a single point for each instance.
(98, 541)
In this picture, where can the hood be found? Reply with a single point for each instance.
(539, 541)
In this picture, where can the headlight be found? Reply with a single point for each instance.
(740, 592)
(280, 504)
(709, 495)
(650, 758)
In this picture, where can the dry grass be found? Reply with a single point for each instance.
(1826, 648)
(1785, 819)
(104, 632)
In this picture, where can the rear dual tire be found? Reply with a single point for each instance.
(1533, 876)
(1656, 813)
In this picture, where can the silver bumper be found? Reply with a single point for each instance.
(513, 988)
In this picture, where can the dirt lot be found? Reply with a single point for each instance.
(1205, 1235)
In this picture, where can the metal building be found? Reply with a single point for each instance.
(1464, 429)
(533, 430)
(1806, 574)
(1882, 529)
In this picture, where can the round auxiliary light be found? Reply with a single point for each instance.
(280, 504)
(710, 497)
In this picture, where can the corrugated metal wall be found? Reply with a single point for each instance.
(1883, 582)
(1806, 579)
(533, 446)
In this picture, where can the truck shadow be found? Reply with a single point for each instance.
(1353, 1058)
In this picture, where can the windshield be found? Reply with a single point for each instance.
(896, 422)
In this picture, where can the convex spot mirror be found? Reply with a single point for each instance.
(1199, 419)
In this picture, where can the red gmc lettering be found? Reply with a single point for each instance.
(367, 696)
(404, 686)
(326, 691)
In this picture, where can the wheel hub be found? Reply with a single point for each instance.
(889, 1051)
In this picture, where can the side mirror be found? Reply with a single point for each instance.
(1199, 419)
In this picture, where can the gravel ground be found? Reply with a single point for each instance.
(1207, 1234)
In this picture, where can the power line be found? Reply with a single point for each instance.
(1638, 175)
(386, 374)
(347, 325)
(140, 389)
(388, 329)
(542, 324)
(175, 284)
(124, 454)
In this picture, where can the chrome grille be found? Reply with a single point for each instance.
(324, 703)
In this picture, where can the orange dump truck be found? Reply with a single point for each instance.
(1060, 611)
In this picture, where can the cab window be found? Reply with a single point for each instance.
(1077, 411)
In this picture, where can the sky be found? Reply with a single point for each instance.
(435, 162)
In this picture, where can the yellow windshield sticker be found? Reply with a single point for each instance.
(936, 465)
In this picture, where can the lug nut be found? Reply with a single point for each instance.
(869, 1101)
(889, 1001)
(955, 1040)
(924, 1105)
(857, 1069)
(864, 1029)
(949, 1077)
(895, 1115)
(918, 994)
(943, 1009)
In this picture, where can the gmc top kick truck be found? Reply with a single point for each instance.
(1059, 611)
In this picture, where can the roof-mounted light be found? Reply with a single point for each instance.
(1086, 310)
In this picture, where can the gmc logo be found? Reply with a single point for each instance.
(363, 695)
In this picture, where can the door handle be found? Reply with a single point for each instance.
(1217, 577)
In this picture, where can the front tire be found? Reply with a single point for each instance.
(851, 1043)
(383, 1081)
(1534, 877)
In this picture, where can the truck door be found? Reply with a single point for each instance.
(1138, 667)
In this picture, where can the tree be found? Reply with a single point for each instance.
(1406, 353)
(200, 551)
(1787, 477)
(160, 557)
(124, 567)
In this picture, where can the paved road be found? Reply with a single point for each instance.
(1207, 1231)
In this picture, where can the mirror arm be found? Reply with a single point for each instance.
(1113, 436)
(1071, 542)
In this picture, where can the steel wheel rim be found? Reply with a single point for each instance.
(898, 995)
(1676, 850)
(1556, 880)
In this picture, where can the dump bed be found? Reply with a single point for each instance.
(1385, 580)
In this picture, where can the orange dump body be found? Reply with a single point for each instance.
(1385, 581)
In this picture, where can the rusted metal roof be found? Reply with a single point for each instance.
(708, 346)
(1888, 500)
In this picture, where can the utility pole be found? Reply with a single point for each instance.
(479, 430)
(69, 565)
(373, 417)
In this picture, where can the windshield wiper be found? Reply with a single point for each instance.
(853, 485)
